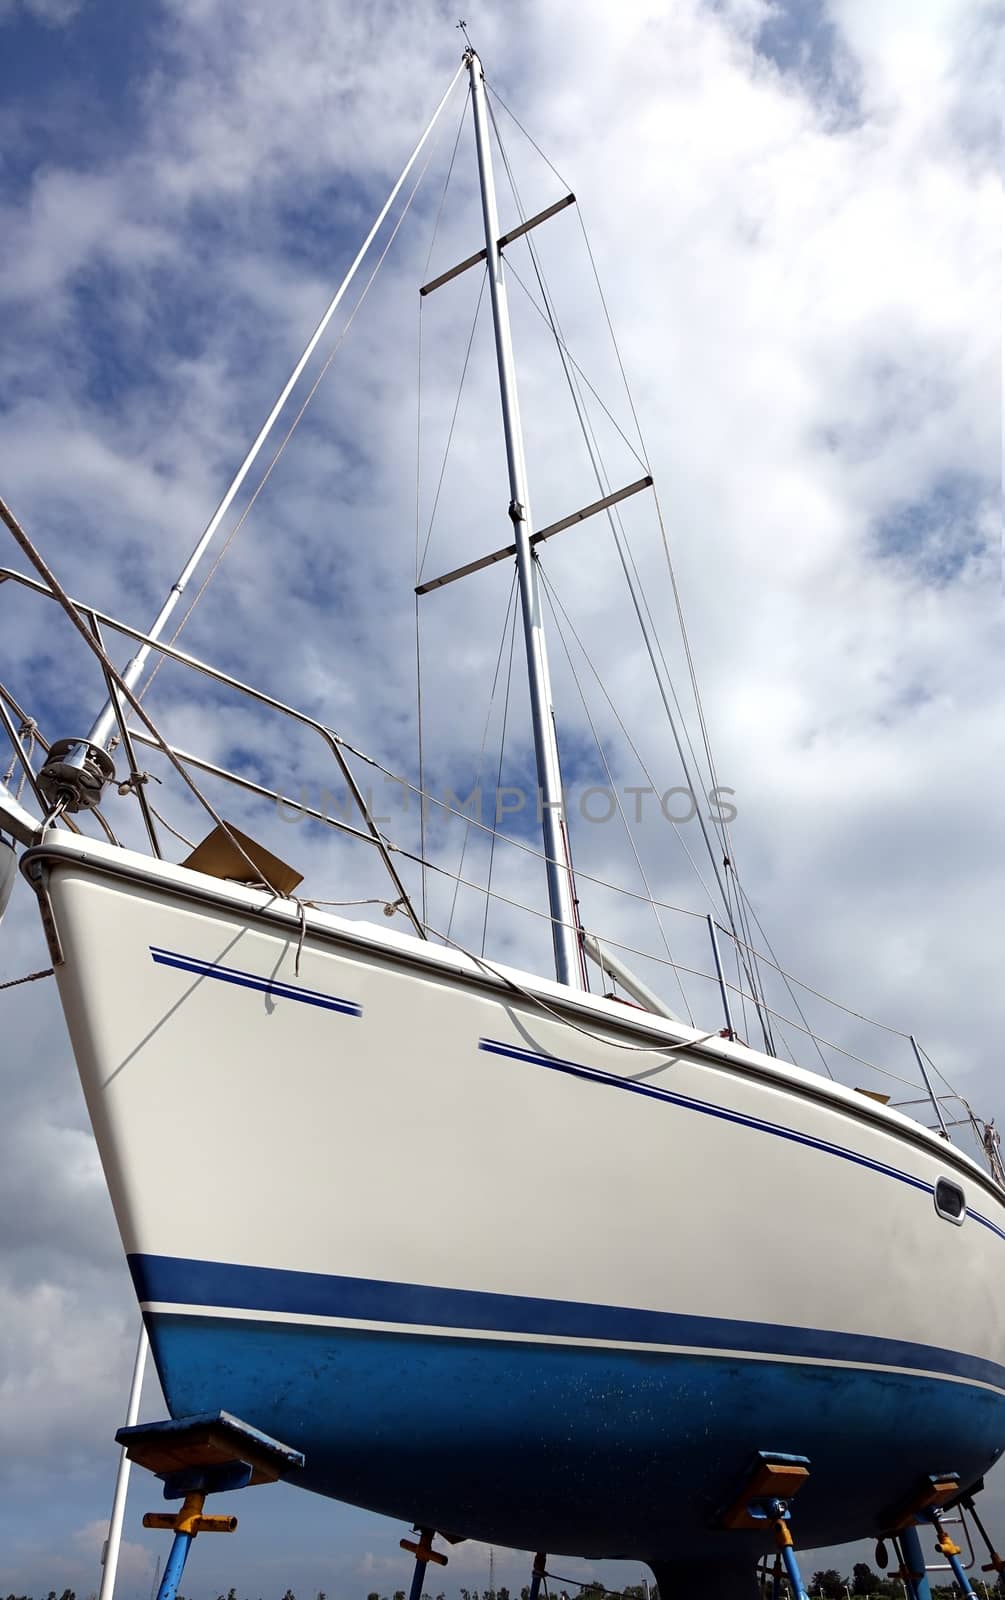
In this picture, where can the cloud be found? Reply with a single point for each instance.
(792, 220)
(52, 13)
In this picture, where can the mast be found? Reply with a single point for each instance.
(561, 889)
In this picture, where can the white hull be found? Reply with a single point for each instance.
(395, 1116)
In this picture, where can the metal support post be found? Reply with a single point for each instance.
(424, 1553)
(997, 1562)
(779, 1512)
(928, 1085)
(537, 1574)
(175, 1566)
(213, 1453)
(951, 1550)
(913, 1563)
(110, 1554)
(720, 975)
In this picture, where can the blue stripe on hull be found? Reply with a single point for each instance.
(174, 1279)
(275, 989)
(572, 1449)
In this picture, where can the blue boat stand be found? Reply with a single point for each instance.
(216, 1453)
(213, 1453)
(424, 1554)
(539, 1571)
(765, 1497)
(931, 1496)
(997, 1562)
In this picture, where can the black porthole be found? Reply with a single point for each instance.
(949, 1201)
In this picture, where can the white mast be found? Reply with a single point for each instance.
(561, 891)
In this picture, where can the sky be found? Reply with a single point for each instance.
(792, 211)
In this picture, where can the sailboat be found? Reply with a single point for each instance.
(497, 1352)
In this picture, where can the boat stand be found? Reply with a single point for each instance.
(952, 1552)
(997, 1562)
(930, 1496)
(765, 1499)
(195, 1456)
(424, 1554)
(539, 1571)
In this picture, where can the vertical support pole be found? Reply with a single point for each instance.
(180, 1547)
(569, 961)
(928, 1085)
(914, 1563)
(424, 1553)
(951, 1551)
(538, 1572)
(793, 1574)
(720, 975)
(114, 1540)
(418, 1579)
(997, 1562)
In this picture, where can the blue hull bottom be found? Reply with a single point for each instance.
(571, 1449)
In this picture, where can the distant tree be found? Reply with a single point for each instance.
(829, 1583)
(373, 1595)
(864, 1580)
(289, 1595)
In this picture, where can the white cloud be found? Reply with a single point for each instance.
(53, 13)
(804, 303)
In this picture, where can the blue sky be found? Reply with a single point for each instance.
(792, 209)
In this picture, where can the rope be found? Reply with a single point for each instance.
(536, 999)
(13, 983)
(166, 824)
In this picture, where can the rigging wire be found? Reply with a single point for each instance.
(614, 790)
(499, 767)
(420, 565)
(30, 977)
(235, 530)
(485, 733)
(554, 598)
(725, 886)
(59, 594)
(647, 634)
(612, 419)
(420, 561)
(663, 1047)
(418, 508)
